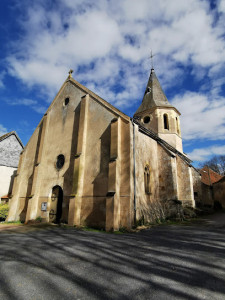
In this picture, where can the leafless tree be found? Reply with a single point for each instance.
(216, 163)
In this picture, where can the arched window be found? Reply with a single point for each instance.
(147, 180)
(166, 121)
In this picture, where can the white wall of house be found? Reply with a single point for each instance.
(10, 148)
(6, 174)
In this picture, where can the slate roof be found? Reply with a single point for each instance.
(154, 95)
(4, 136)
(209, 176)
(172, 151)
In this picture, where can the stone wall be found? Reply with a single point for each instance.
(207, 195)
(197, 187)
(185, 183)
(146, 154)
(219, 192)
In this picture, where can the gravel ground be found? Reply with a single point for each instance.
(164, 262)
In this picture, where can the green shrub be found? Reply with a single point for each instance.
(38, 219)
(4, 210)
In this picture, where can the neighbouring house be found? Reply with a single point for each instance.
(219, 193)
(208, 180)
(87, 163)
(10, 149)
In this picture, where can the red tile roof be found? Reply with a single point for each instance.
(209, 176)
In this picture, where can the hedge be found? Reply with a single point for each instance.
(4, 210)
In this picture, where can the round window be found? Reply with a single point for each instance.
(60, 161)
(66, 101)
(146, 119)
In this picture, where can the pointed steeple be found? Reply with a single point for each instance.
(157, 114)
(154, 95)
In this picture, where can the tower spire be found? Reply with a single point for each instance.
(154, 95)
(157, 114)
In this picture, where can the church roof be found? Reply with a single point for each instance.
(4, 136)
(173, 151)
(154, 95)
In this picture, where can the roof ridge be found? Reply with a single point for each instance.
(98, 98)
(4, 136)
(162, 142)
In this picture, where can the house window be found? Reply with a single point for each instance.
(166, 121)
(147, 180)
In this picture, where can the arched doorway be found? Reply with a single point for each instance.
(55, 212)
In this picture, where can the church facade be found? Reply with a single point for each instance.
(87, 163)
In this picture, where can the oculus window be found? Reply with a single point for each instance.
(60, 161)
(146, 119)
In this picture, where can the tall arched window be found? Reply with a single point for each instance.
(147, 180)
(166, 121)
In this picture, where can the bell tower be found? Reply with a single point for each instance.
(157, 114)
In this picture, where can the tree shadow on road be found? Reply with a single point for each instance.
(170, 262)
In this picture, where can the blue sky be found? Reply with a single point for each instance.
(107, 43)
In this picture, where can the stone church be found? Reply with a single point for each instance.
(87, 163)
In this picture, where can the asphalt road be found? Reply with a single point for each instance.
(165, 262)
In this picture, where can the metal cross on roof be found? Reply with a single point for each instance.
(70, 73)
(151, 57)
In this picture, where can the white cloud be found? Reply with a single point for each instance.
(33, 104)
(221, 6)
(2, 75)
(3, 130)
(202, 117)
(108, 43)
(77, 33)
(204, 154)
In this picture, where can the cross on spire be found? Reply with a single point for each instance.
(70, 73)
(151, 57)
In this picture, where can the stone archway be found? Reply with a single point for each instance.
(55, 212)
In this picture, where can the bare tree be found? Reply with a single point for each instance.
(216, 163)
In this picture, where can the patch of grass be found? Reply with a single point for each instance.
(11, 223)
